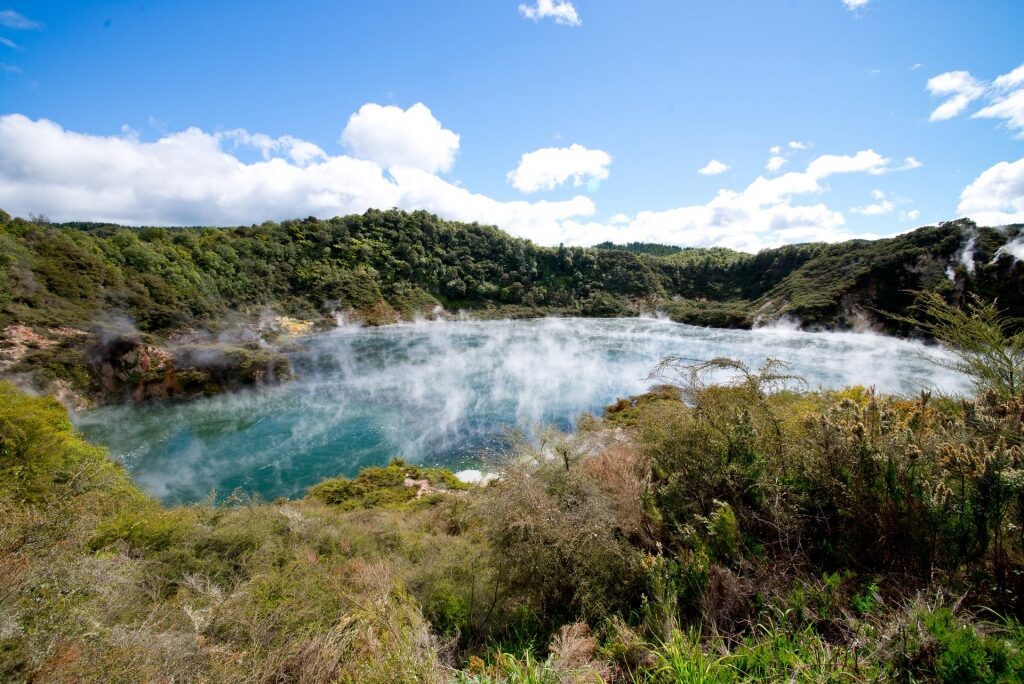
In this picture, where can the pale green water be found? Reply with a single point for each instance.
(438, 393)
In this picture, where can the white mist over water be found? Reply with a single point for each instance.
(439, 392)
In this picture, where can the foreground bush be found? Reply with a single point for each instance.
(735, 528)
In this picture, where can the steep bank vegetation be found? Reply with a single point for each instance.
(109, 313)
(728, 526)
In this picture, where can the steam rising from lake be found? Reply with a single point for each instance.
(439, 392)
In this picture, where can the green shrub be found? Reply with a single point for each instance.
(384, 486)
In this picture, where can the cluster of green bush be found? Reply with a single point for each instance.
(385, 264)
(740, 530)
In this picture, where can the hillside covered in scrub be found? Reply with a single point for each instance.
(742, 530)
(108, 313)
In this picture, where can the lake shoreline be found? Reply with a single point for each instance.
(436, 392)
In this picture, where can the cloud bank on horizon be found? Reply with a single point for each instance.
(396, 160)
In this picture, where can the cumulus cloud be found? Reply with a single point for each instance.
(391, 136)
(1014, 79)
(959, 88)
(855, 5)
(996, 196)
(302, 152)
(764, 214)
(12, 19)
(780, 154)
(881, 207)
(193, 177)
(550, 167)
(1005, 97)
(562, 11)
(1010, 108)
(713, 168)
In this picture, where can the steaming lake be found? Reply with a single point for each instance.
(441, 392)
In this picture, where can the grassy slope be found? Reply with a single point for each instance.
(739, 537)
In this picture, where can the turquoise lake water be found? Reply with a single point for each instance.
(446, 393)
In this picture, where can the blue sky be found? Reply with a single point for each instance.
(190, 112)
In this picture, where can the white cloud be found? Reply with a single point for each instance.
(1005, 96)
(193, 178)
(12, 19)
(762, 215)
(302, 152)
(1014, 79)
(562, 11)
(391, 136)
(960, 89)
(996, 196)
(190, 178)
(885, 203)
(549, 167)
(1010, 108)
(1007, 100)
(781, 154)
(9, 68)
(713, 168)
(881, 207)
(9, 43)
(854, 5)
(865, 161)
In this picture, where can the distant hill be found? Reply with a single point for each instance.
(382, 266)
(386, 264)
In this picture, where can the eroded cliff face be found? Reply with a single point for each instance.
(110, 364)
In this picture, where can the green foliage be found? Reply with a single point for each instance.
(945, 648)
(40, 451)
(385, 486)
(731, 528)
(384, 263)
(723, 533)
(651, 248)
(979, 337)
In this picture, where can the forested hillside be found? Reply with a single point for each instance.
(89, 297)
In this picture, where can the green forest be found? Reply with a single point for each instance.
(105, 312)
